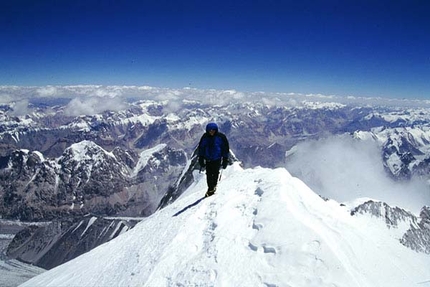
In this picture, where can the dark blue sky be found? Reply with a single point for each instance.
(358, 48)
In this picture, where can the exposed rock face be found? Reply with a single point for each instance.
(27, 179)
(404, 151)
(60, 241)
(86, 178)
(392, 215)
(417, 234)
(13, 272)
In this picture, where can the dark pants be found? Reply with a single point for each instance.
(212, 173)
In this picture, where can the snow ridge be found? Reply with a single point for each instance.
(263, 227)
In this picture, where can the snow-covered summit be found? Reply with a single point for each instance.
(263, 227)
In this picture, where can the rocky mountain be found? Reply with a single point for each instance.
(417, 237)
(415, 230)
(405, 149)
(86, 178)
(57, 242)
(14, 272)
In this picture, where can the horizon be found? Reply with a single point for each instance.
(87, 98)
(317, 47)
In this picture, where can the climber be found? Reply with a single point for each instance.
(213, 151)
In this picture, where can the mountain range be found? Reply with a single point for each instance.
(76, 159)
(123, 162)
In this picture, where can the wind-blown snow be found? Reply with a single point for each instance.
(344, 169)
(263, 227)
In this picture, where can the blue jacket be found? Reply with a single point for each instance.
(213, 147)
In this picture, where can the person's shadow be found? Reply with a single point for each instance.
(189, 206)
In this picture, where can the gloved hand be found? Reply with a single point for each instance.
(224, 162)
(202, 161)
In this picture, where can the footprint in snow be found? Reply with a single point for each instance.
(312, 246)
(264, 248)
(259, 191)
(257, 226)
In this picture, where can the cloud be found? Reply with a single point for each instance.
(208, 96)
(11, 94)
(5, 98)
(20, 108)
(93, 105)
(48, 91)
(345, 169)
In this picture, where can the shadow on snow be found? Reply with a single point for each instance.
(189, 206)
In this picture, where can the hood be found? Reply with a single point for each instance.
(211, 126)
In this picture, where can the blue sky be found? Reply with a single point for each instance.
(358, 48)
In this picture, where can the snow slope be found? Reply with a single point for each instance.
(263, 227)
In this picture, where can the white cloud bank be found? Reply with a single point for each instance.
(210, 96)
(344, 169)
(93, 105)
(20, 108)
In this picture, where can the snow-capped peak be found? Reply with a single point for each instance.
(263, 227)
(85, 150)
